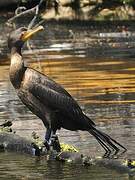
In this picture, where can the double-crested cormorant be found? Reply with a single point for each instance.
(49, 100)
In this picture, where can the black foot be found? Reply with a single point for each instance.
(47, 145)
(55, 143)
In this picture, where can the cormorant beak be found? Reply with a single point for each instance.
(28, 34)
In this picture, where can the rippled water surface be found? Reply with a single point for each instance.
(97, 66)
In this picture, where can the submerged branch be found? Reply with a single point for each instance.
(37, 14)
(29, 11)
(35, 10)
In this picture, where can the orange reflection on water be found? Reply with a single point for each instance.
(101, 81)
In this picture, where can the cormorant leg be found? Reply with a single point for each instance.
(55, 142)
(47, 138)
(48, 134)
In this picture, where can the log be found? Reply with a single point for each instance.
(15, 143)
(10, 141)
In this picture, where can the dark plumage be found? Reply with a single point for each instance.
(49, 100)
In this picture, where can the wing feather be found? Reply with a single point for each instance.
(57, 101)
(54, 96)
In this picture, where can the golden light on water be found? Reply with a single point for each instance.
(98, 80)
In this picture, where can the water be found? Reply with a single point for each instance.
(13, 167)
(98, 68)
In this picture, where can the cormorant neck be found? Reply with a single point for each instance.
(15, 50)
(17, 68)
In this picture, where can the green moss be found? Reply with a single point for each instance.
(5, 129)
(130, 163)
(67, 147)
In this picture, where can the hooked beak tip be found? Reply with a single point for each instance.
(28, 34)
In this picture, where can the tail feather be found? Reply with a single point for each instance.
(101, 142)
(111, 139)
(106, 141)
(89, 121)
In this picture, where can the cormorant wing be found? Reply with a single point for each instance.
(57, 101)
(56, 97)
(45, 81)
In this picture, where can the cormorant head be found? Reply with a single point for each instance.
(18, 37)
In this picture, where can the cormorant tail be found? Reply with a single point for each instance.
(109, 144)
(89, 120)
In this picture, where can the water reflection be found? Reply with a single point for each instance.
(21, 167)
(104, 88)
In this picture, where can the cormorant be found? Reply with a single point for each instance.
(49, 100)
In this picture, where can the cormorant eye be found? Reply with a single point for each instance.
(22, 34)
